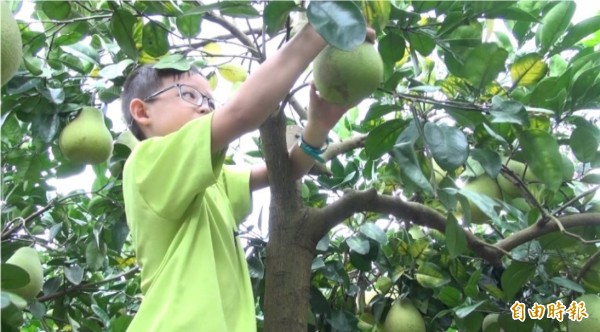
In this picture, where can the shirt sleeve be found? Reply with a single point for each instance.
(170, 172)
(237, 186)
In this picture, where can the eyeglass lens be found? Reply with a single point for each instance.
(193, 96)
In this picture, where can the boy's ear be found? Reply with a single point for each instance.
(139, 112)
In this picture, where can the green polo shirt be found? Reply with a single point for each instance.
(183, 207)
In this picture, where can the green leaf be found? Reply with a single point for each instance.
(456, 240)
(241, 9)
(174, 61)
(373, 231)
(583, 143)
(528, 70)
(485, 203)
(358, 244)
(584, 81)
(256, 268)
(275, 15)
(340, 23)
(120, 323)
(465, 35)
(514, 277)
(74, 274)
(45, 126)
(111, 72)
(448, 145)
(56, 10)
(578, 32)
(554, 23)
(121, 25)
(430, 275)
(489, 160)
(421, 42)
(465, 311)
(94, 257)
(511, 13)
(201, 9)
(391, 47)
(34, 65)
(450, 296)
(508, 111)
(382, 138)
(13, 276)
(342, 320)
(84, 52)
(405, 155)
(155, 39)
(377, 111)
(188, 25)
(542, 153)
(567, 283)
(483, 64)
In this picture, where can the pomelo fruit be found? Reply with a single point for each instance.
(347, 77)
(11, 45)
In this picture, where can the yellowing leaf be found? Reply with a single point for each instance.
(233, 72)
(528, 70)
(377, 13)
(213, 80)
(145, 58)
(212, 49)
(125, 262)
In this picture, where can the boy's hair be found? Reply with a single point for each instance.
(142, 82)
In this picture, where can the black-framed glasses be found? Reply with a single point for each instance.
(188, 94)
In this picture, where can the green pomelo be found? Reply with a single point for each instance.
(403, 317)
(592, 322)
(490, 323)
(483, 185)
(27, 258)
(591, 278)
(11, 45)
(86, 140)
(128, 139)
(519, 169)
(347, 77)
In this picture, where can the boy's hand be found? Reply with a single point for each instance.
(323, 114)
(370, 35)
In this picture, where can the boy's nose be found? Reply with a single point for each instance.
(204, 109)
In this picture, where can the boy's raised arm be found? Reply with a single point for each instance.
(261, 93)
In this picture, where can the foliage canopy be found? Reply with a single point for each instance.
(468, 86)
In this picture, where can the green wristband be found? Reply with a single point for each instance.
(310, 150)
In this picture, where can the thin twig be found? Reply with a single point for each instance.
(88, 285)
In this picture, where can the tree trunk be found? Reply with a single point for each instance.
(290, 250)
(287, 279)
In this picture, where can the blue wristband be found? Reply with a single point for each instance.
(310, 150)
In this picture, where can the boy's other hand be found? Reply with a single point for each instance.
(370, 35)
(322, 113)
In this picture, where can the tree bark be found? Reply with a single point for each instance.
(290, 250)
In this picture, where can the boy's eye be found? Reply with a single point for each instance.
(189, 95)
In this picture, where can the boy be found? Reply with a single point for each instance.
(183, 205)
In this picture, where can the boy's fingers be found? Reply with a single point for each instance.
(370, 35)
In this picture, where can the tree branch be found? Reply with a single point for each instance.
(342, 147)
(363, 201)
(237, 33)
(88, 285)
(537, 230)
(369, 201)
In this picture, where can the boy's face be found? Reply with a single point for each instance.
(166, 112)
